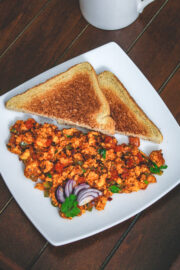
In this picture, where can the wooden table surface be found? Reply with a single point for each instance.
(36, 35)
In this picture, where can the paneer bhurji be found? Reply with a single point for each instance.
(80, 171)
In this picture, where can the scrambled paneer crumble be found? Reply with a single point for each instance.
(80, 171)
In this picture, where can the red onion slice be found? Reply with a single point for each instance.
(80, 187)
(69, 187)
(90, 190)
(86, 193)
(59, 194)
(86, 200)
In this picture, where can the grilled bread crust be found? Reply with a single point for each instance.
(129, 118)
(72, 97)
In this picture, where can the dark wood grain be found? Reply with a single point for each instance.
(171, 95)
(5, 195)
(19, 240)
(84, 254)
(94, 37)
(57, 32)
(15, 16)
(43, 42)
(155, 234)
(157, 53)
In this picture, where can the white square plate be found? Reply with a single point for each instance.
(38, 209)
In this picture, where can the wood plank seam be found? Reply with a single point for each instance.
(147, 26)
(6, 205)
(169, 78)
(70, 45)
(37, 256)
(25, 28)
(132, 44)
(119, 242)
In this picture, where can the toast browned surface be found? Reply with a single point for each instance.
(73, 97)
(128, 116)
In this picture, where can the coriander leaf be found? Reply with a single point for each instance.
(69, 206)
(154, 170)
(114, 189)
(13, 130)
(146, 182)
(154, 164)
(163, 167)
(83, 170)
(49, 175)
(157, 170)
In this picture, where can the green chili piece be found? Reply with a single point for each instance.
(83, 170)
(46, 193)
(23, 145)
(53, 204)
(102, 152)
(163, 167)
(146, 182)
(68, 147)
(80, 162)
(69, 136)
(47, 185)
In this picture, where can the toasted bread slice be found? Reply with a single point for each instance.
(73, 97)
(128, 116)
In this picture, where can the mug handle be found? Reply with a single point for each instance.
(142, 4)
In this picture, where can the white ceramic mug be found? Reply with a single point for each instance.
(112, 14)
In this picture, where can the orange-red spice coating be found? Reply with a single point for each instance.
(51, 156)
